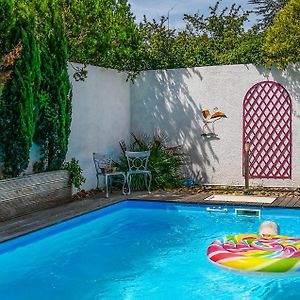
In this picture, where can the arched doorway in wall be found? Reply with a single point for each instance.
(267, 126)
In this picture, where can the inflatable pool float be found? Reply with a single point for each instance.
(257, 253)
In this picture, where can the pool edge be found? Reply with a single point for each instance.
(14, 229)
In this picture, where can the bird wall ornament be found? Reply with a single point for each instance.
(211, 118)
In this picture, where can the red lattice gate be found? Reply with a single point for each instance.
(267, 126)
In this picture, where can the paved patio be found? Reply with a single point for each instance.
(37, 220)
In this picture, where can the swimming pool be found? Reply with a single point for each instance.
(138, 250)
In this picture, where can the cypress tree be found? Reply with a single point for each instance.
(20, 93)
(5, 19)
(6, 22)
(54, 120)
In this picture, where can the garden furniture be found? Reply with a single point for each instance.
(103, 166)
(138, 164)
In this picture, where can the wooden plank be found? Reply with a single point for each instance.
(277, 201)
(41, 219)
(295, 202)
(285, 201)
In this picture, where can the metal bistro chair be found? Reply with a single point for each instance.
(103, 166)
(137, 164)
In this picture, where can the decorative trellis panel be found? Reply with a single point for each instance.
(267, 126)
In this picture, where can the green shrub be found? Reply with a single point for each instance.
(76, 177)
(38, 167)
(165, 162)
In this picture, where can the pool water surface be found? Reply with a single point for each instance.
(139, 250)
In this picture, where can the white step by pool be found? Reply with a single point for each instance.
(238, 198)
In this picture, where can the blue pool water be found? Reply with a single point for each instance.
(137, 250)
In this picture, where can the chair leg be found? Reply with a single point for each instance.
(149, 183)
(106, 186)
(97, 181)
(128, 184)
(110, 181)
(124, 183)
(146, 181)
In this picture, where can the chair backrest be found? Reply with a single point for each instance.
(137, 161)
(102, 161)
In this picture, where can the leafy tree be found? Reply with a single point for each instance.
(158, 45)
(219, 38)
(101, 32)
(222, 38)
(267, 9)
(283, 37)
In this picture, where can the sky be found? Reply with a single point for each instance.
(177, 8)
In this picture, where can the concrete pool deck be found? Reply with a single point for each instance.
(38, 220)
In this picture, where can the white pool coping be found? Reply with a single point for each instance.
(245, 199)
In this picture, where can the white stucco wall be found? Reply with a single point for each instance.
(172, 101)
(106, 108)
(100, 119)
